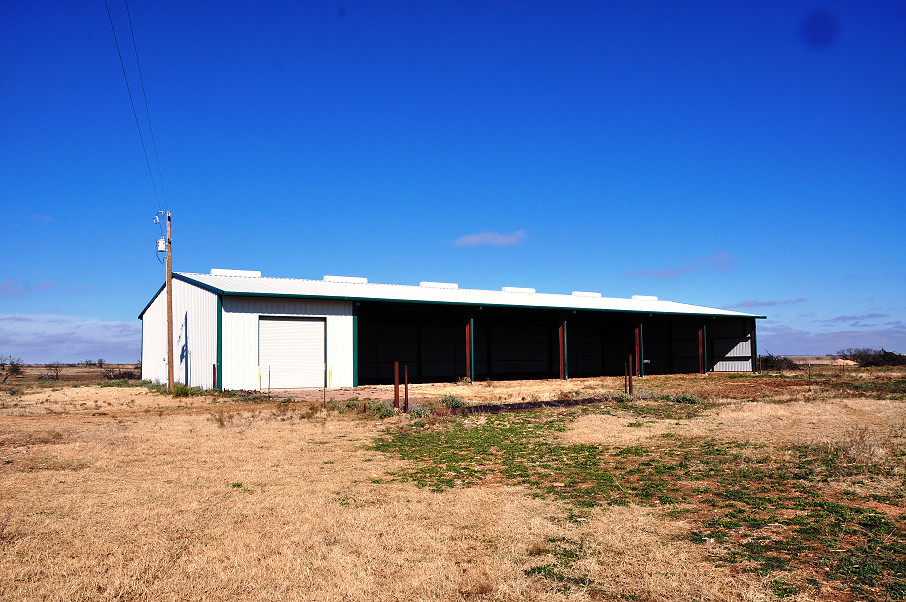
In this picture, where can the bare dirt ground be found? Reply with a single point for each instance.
(121, 493)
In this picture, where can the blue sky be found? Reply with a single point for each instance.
(731, 154)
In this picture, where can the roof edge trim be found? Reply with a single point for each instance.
(466, 304)
(151, 302)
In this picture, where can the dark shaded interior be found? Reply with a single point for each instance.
(524, 343)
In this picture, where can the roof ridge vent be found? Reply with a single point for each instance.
(644, 298)
(446, 285)
(586, 294)
(517, 289)
(245, 273)
(349, 279)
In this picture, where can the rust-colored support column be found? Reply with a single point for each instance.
(396, 385)
(564, 374)
(638, 351)
(469, 325)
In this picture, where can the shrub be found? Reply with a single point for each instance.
(375, 406)
(120, 375)
(13, 367)
(452, 400)
(419, 412)
(181, 390)
(55, 368)
(383, 409)
(771, 362)
(625, 398)
(342, 405)
(388, 411)
(687, 398)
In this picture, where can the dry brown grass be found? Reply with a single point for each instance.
(821, 421)
(158, 498)
(125, 494)
(637, 554)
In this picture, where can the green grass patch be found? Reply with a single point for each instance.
(771, 513)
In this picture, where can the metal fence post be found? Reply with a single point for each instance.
(396, 385)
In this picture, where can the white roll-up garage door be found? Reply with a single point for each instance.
(291, 352)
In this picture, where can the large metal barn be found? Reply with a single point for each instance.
(237, 330)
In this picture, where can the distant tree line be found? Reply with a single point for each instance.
(866, 357)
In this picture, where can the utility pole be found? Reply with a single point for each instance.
(169, 310)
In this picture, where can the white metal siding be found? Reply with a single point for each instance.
(194, 336)
(733, 366)
(240, 336)
(730, 343)
(154, 340)
(291, 352)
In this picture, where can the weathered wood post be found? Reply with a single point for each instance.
(630, 374)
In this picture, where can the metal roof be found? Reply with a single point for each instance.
(358, 289)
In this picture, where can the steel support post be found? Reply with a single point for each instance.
(469, 356)
(564, 375)
(701, 350)
(396, 385)
(754, 349)
(638, 351)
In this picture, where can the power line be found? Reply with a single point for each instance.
(160, 177)
(132, 102)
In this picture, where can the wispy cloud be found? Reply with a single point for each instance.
(12, 287)
(771, 303)
(16, 287)
(491, 238)
(41, 218)
(42, 338)
(874, 316)
(719, 261)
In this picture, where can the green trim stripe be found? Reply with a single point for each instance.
(219, 384)
(472, 349)
(355, 349)
(642, 349)
(151, 302)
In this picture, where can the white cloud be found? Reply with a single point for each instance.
(42, 338)
(491, 238)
